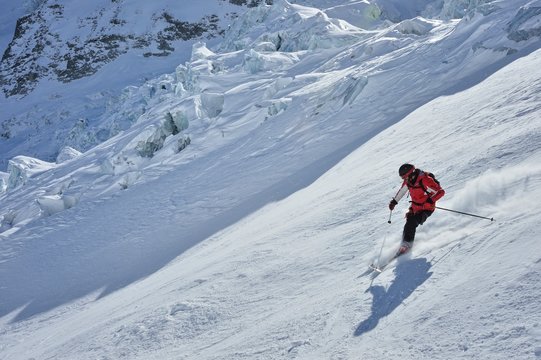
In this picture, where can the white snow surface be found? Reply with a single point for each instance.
(236, 218)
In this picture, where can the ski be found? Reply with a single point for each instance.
(375, 268)
(380, 268)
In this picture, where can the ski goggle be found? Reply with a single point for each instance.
(406, 175)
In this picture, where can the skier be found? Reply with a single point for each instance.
(424, 190)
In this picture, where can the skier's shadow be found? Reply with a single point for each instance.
(409, 276)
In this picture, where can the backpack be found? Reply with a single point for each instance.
(432, 176)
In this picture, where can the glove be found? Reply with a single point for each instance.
(430, 201)
(392, 204)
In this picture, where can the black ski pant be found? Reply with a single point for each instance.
(412, 221)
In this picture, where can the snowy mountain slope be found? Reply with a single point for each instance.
(284, 282)
(236, 99)
(100, 48)
(151, 257)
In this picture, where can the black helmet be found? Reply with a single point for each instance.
(405, 169)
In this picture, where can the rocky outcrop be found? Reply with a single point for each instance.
(39, 50)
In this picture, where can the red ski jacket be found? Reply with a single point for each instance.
(422, 187)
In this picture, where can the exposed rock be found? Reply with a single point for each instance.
(38, 51)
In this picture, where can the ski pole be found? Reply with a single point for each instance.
(390, 214)
(380, 252)
(465, 213)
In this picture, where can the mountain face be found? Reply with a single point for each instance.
(60, 41)
(82, 56)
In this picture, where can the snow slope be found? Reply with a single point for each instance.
(252, 241)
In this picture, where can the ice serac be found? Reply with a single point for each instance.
(287, 27)
(526, 24)
(399, 10)
(3, 181)
(363, 14)
(67, 153)
(52, 204)
(21, 168)
(417, 26)
(153, 137)
(212, 103)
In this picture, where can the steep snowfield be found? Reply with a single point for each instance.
(252, 241)
(285, 281)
